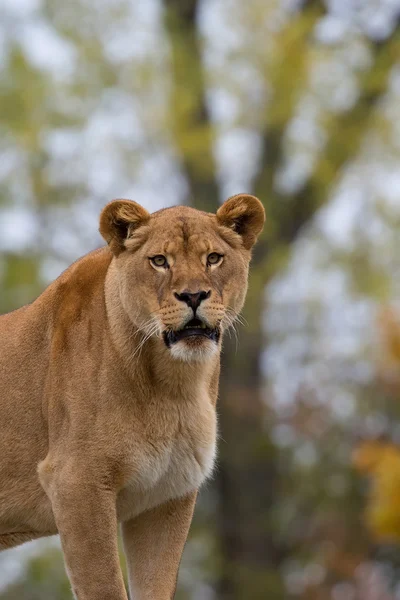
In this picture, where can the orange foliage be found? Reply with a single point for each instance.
(381, 462)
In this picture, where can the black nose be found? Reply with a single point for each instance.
(193, 300)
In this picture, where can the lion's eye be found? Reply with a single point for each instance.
(159, 261)
(214, 258)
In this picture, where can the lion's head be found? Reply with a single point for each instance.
(182, 272)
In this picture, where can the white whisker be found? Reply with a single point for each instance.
(147, 329)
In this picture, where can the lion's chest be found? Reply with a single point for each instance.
(172, 465)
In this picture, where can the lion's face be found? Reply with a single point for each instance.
(183, 273)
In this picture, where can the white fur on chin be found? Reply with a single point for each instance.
(181, 351)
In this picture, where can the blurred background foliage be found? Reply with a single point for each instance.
(189, 101)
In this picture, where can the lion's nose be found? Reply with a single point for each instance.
(193, 300)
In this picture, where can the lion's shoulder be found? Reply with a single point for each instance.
(78, 294)
(81, 280)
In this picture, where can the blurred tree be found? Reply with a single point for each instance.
(379, 459)
(247, 480)
(275, 514)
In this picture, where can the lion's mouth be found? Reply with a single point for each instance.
(193, 328)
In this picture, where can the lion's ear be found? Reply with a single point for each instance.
(117, 221)
(245, 215)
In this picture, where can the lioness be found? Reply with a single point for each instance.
(108, 386)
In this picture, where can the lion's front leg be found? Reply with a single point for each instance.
(153, 544)
(85, 514)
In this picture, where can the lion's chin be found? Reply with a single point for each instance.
(196, 341)
(194, 349)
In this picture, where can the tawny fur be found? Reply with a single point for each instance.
(100, 422)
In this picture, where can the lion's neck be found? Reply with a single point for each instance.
(152, 360)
